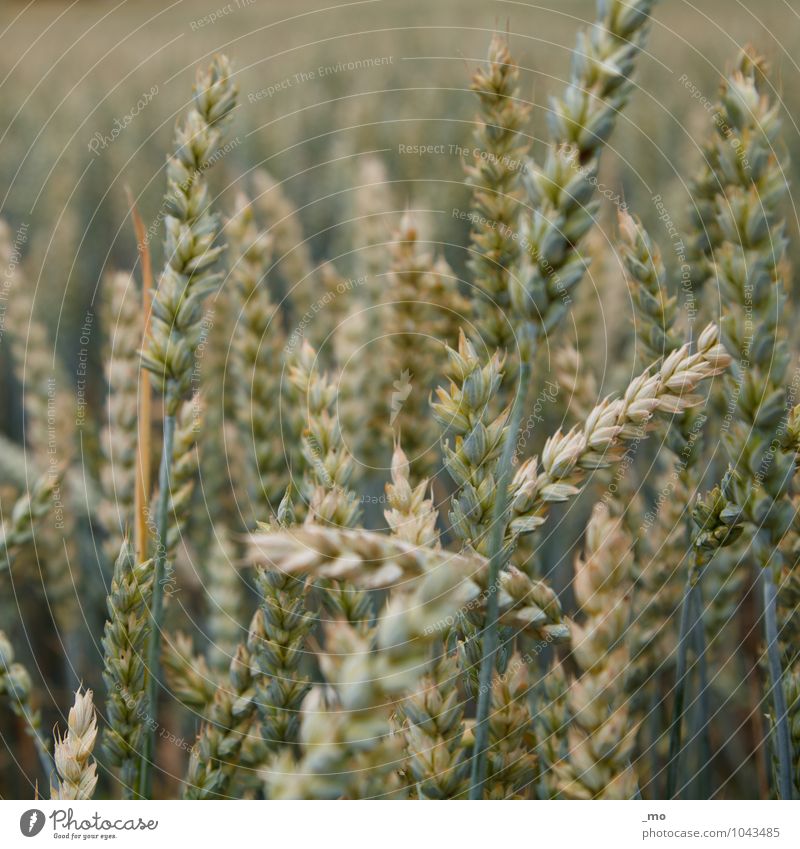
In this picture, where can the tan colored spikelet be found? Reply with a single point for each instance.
(512, 758)
(327, 464)
(566, 457)
(434, 731)
(411, 516)
(350, 748)
(575, 380)
(124, 329)
(601, 735)
(77, 771)
(423, 312)
(371, 560)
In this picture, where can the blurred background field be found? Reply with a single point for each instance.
(90, 93)
(71, 70)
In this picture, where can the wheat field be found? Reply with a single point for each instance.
(399, 400)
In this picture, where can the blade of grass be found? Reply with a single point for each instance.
(143, 452)
(154, 645)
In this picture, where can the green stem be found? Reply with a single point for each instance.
(157, 610)
(496, 557)
(783, 743)
(680, 683)
(704, 701)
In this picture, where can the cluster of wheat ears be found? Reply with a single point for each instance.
(422, 653)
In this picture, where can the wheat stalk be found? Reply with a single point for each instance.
(176, 327)
(278, 653)
(567, 457)
(328, 465)
(349, 748)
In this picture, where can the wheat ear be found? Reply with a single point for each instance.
(176, 325)
(600, 736)
(125, 674)
(75, 768)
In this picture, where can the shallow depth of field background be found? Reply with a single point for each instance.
(69, 71)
